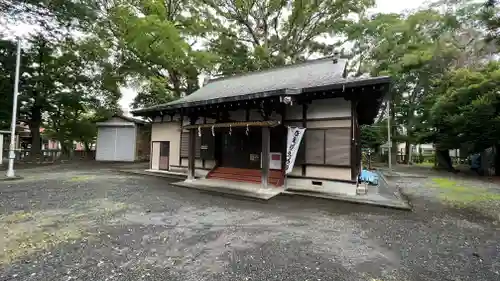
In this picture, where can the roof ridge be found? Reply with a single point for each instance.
(129, 118)
(275, 68)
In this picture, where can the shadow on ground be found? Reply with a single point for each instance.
(91, 222)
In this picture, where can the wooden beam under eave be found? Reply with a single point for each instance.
(265, 156)
(304, 125)
(192, 148)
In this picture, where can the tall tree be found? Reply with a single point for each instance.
(491, 17)
(67, 71)
(87, 90)
(155, 42)
(261, 34)
(7, 69)
(62, 77)
(415, 50)
(464, 110)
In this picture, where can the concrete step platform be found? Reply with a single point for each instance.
(169, 175)
(336, 191)
(240, 189)
(369, 199)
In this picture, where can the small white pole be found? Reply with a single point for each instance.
(409, 154)
(12, 154)
(389, 143)
(1, 148)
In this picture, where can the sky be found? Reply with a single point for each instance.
(382, 6)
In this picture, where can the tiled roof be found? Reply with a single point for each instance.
(289, 79)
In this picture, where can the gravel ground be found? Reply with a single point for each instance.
(94, 224)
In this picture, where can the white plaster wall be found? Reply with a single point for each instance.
(168, 131)
(327, 186)
(328, 172)
(296, 171)
(324, 108)
(323, 172)
(328, 108)
(328, 124)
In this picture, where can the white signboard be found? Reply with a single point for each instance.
(275, 161)
(292, 146)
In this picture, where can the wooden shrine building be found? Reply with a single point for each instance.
(235, 128)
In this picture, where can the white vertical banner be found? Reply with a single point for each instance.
(294, 138)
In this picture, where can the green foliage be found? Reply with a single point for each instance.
(62, 82)
(373, 136)
(65, 80)
(491, 17)
(416, 50)
(156, 42)
(7, 69)
(255, 35)
(436, 56)
(465, 108)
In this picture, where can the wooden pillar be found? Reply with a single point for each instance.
(191, 149)
(304, 125)
(284, 140)
(265, 155)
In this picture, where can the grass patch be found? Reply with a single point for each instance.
(424, 164)
(81, 178)
(25, 233)
(16, 217)
(459, 195)
(24, 244)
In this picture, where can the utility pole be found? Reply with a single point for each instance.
(12, 147)
(389, 143)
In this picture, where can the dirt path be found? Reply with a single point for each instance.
(95, 224)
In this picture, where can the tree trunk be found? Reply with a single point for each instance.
(36, 144)
(88, 150)
(497, 160)
(407, 152)
(66, 149)
(444, 160)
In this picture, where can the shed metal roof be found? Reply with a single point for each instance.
(289, 80)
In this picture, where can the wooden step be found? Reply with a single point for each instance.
(246, 175)
(228, 170)
(274, 181)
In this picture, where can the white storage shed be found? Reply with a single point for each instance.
(118, 139)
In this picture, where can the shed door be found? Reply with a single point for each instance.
(155, 156)
(105, 149)
(125, 144)
(164, 155)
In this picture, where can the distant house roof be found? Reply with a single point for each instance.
(130, 119)
(286, 80)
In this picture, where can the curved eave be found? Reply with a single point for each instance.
(336, 87)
